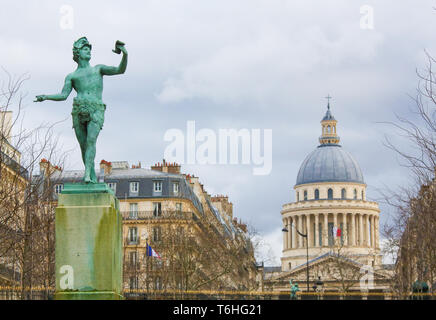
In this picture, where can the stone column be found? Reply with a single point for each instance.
(360, 229)
(376, 232)
(373, 231)
(309, 231)
(288, 234)
(325, 237)
(345, 231)
(316, 230)
(353, 229)
(294, 240)
(300, 228)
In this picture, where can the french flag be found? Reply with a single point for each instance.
(151, 253)
(336, 232)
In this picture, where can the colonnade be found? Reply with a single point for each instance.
(357, 229)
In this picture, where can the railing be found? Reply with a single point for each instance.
(132, 242)
(149, 215)
(16, 293)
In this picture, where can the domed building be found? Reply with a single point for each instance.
(331, 225)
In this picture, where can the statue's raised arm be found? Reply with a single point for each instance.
(109, 70)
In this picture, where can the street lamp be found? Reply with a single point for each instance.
(307, 251)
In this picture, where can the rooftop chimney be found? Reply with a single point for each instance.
(167, 167)
(47, 169)
(106, 166)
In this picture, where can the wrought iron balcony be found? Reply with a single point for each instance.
(132, 241)
(150, 215)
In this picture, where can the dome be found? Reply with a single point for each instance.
(329, 163)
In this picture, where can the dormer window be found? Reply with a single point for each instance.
(175, 187)
(157, 186)
(134, 187)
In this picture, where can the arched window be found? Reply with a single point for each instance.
(355, 194)
(298, 196)
(316, 194)
(344, 193)
(330, 194)
(363, 195)
(329, 129)
(305, 195)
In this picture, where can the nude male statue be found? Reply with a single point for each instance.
(88, 107)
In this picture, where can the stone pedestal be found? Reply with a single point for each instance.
(88, 244)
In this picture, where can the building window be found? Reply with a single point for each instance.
(158, 283)
(157, 234)
(58, 188)
(157, 209)
(343, 193)
(330, 194)
(133, 213)
(175, 187)
(112, 186)
(180, 232)
(133, 235)
(363, 195)
(133, 283)
(290, 265)
(134, 187)
(305, 195)
(179, 207)
(133, 255)
(157, 186)
(316, 194)
(298, 196)
(355, 194)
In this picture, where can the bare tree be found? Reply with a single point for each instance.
(410, 234)
(26, 211)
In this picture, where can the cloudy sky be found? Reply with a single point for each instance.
(254, 64)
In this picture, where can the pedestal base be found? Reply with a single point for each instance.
(88, 244)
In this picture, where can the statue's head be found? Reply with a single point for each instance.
(82, 49)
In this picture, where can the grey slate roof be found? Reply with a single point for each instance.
(145, 178)
(329, 163)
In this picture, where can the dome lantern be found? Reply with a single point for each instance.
(328, 124)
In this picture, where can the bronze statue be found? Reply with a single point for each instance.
(88, 107)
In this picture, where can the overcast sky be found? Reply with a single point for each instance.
(255, 64)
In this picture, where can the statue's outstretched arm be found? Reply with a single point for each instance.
(66, 90)
(110, 71)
